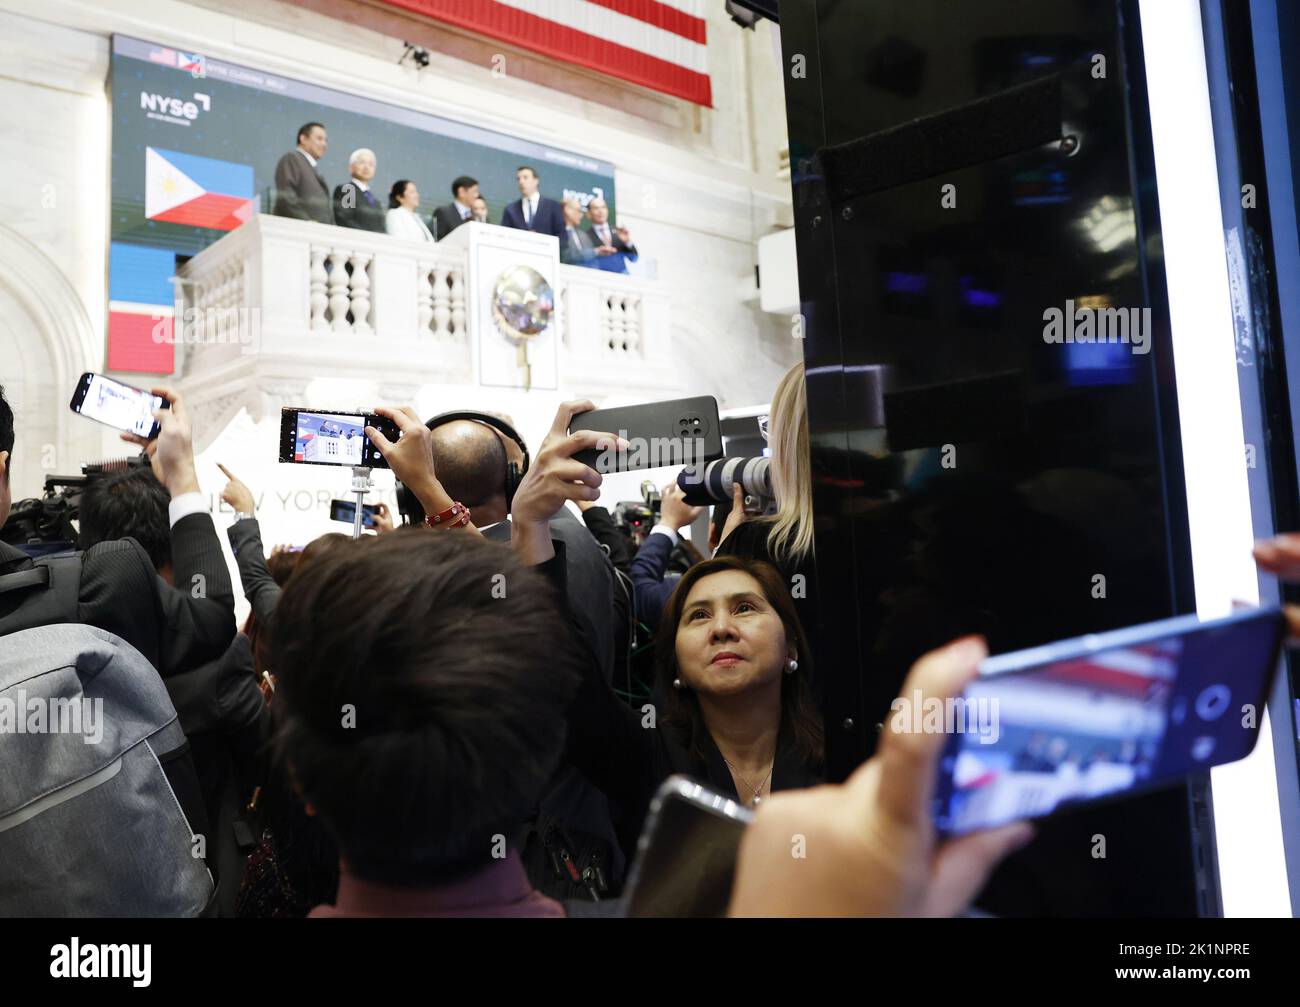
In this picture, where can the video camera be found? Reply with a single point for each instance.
(47, 524)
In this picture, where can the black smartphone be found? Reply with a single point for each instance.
(1051, 728)
(332, 437)
(346, 511)
(118, 405)
(686, 857)
(676, 432)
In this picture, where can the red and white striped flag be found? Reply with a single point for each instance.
(660, 44)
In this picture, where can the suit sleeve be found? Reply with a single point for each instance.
(345, 216)
(606, 740)
(288, 177)
(648, 578)
(260, 588)
(199, 612)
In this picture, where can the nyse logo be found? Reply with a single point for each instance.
(170, 109)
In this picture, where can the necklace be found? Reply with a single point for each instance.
(758, 791)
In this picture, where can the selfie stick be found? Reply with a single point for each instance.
(361, 485)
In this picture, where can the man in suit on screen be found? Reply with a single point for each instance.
(300, 191)
(576, 246)
(533, 212)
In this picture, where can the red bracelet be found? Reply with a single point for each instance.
(455, 516)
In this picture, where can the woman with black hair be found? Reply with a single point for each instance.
(734, 709)
(402, 220)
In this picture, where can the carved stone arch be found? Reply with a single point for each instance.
(46, 341)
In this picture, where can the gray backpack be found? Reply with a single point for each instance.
(89, 824)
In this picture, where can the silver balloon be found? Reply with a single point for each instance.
(523, 301)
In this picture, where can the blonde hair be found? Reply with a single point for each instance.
(790, 539)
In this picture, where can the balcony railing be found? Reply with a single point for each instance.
(279, 303)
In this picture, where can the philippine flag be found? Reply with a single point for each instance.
(202, 191)
(195, 63)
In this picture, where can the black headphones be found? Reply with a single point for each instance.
(410, 507)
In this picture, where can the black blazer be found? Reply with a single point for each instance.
(609, 745)
(260, 588)
(446, 219)
(300, 191)
(122, 593)
(365, 213)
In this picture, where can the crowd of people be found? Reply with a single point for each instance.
(302, 192)
(428, 721)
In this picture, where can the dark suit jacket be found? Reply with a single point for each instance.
(577, 248)
(621, 246)
(652, 587)
(122, 593)
(260, 587)
(446, 219)
(549, 218)
(300, 191)
(366, 213)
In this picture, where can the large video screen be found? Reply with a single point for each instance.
(195, 144)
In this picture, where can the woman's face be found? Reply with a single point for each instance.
(411, 197)
(730, 639)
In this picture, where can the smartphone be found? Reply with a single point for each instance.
(1098, 717)
(124, 407)
(686, 857)
(677, 432)
(331, 437)
(346, 510)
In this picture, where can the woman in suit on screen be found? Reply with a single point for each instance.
(402, 220)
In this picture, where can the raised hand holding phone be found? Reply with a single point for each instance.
(411, 458)
(172, 451)
(555, 476)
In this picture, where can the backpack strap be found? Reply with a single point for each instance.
(37, 576)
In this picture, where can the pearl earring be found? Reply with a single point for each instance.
(792, 667)
(677, 683)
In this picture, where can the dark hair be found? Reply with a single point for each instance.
(306, 128)
(463, 182)
(528, 167)
(6, 430)
(397, 192)
(800, 720)
(282, 566)
(130, 503)
(471, 469)
(458, 689)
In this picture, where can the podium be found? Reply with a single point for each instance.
(505, 353)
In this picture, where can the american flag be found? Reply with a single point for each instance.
(660, 44)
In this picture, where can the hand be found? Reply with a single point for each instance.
(383, 519)
(870, 841)
(172, 452)
(411, 458)
(239, 496)
(623, 235)
(554, 476)
(606, 250)
(674, 511)
(737, 516)
(585, 505)
(1280, 556)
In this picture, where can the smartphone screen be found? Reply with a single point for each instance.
(346, 511)
(1054, 727)
(121, 406)
(324, 437)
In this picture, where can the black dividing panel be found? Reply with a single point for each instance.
(959, 170)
